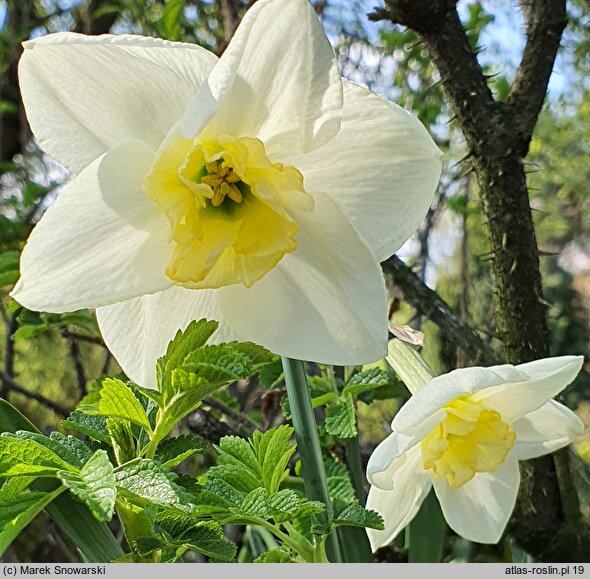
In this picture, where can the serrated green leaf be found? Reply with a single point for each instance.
(307, 508)
(94, 485)
(257, 504)
(52, 444)
(239, 451)
(18, 511)
(92, 426)
(275, 556)
(237, 476)
(272, 373)
(173, 451)
(226, 494)
(206, 537)
(365, 381)
(146, 481)
(94, 539)
(341, 419)
(121, 439)
(355, 516)
(273, 451)
(185, 342)
(284, 505)
(340, 487)
(20, 456)
(117, 400)
(74, 445)
(147, 545)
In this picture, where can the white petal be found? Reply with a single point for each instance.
(544, 380)
(480, 509)
(138, 331)
(381, 169)
(384, 462)
(102, 241)
(421, 413)
(399, 506)
(545, 430)
(278, 80)
(325, 302)
(83, 94)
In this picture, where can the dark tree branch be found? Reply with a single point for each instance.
(68, 334)
(15, 387)
(545, 21)
(497, 135)
(238, 418)
(429, 304)
(230, 17)
(78, 366)
(11, 328)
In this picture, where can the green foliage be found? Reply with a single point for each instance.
(9, 267)
(173, 451)
(18, 511)
(94, 485)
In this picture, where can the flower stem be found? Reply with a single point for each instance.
(308, 442)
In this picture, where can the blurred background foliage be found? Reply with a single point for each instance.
(48, 362)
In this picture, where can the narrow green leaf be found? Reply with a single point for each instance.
(173, 451)
(118, 400)
(18, 511)
(341, 419)
(94, 485)
(426, 533)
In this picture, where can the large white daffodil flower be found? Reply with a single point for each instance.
(259, 189)
(464, 433)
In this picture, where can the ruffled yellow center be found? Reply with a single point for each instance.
(471, 439)
(229, 207)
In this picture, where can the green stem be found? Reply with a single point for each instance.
(308, 442)
(354, 540)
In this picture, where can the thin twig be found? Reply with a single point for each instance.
(9, 382)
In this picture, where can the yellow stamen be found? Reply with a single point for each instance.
(472, 438)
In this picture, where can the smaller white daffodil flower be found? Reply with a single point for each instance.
(463, 433)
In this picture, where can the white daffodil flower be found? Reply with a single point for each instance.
(464, 433)
(259, 189)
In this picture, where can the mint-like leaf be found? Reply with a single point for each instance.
(173, 451)
(340, 418)
(94, 485)
(92, 426)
